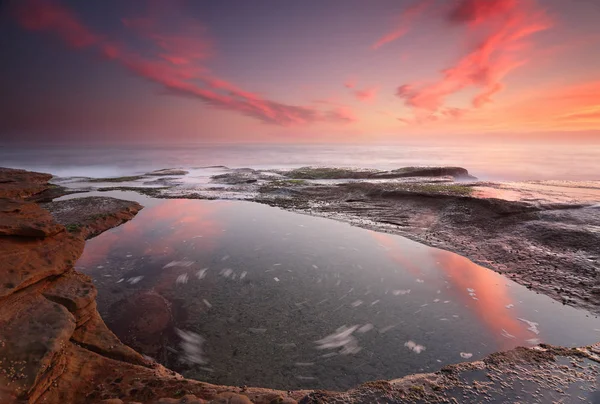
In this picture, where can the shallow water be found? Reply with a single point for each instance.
(270, 298)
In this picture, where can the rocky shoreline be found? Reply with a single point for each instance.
(54, 347)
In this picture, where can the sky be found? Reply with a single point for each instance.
(299, 71)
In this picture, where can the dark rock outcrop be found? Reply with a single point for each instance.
(89, 216)
(315, 173)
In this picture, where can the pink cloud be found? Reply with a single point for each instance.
(425, 117)
(404, 23)
(174, 64)
(367, 94)
(503, 26)
(350, 83)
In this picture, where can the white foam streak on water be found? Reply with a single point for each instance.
(341, 338)
(134, 280)
(401, 292)
(506, 334)
(413, 346)
(532, 326)
(183, 263)
(226, 272)
(182, 279)
(201, 274)
(191, 346)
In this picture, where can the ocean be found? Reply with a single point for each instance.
(507, 162)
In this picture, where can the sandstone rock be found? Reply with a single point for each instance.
(77, 293)
(24, 219)
(187, 399)
(230, 398)
(16, 183)
(95, 336)
(26, 261)
(73, 290)
(33, 333)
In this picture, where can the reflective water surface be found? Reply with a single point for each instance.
(245, 294)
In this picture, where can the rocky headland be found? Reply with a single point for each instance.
(55, 347)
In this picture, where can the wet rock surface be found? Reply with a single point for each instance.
(347, 173)
(87, 217)
(54, 347)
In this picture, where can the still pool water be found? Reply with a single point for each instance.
(259, 296)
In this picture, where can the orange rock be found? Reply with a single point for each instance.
(95, 336)
(26, 219)
(230, 398)
(33, 332)
(16, 183)
(26, 260)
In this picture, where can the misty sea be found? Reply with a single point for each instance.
(501, 162)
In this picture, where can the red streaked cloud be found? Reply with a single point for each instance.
(476, 12)
(178, 48)
(404, 23)
(48, 16)
(174, 64)
(502, 28)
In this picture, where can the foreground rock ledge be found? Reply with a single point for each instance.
(55, 348)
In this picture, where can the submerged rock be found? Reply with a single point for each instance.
(143, 321)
